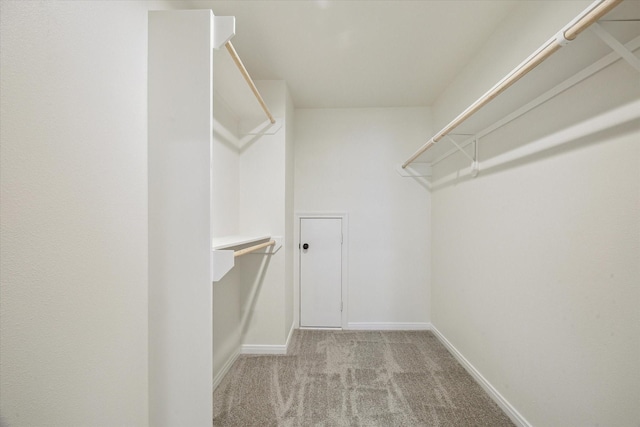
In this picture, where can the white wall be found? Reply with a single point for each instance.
(290, 241)
(225, 186)
(225, 167)
(264, 181)
(345, 162)
(536, 262)
(73, 300)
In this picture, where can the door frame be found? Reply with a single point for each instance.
(345, 258)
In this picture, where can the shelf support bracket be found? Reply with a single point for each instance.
(462, 150)
(614, 44)
(474, 159)
(475, 166)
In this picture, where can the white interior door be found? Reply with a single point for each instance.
(321, 272)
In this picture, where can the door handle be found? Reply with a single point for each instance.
(305, 246)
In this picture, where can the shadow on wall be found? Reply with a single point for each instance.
(527, 151)
(228, 138)
(254, 270)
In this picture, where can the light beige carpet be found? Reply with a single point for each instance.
(354, 378)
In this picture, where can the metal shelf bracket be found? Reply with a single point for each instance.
(475, 166)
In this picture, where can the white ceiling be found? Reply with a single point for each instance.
(340, 53)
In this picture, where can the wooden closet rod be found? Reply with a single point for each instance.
(253, 248)
(249, 81)
(583, 21)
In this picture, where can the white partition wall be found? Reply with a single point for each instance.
(180, 293)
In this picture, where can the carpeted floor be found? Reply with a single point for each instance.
(354, 378)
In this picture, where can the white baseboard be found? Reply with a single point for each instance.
(511, 412)
(263, 349)
(267, 349)
(217, 379)
(392, 326)
(250, 349)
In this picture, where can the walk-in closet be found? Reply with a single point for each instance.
(320, 212)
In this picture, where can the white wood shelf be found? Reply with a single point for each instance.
(223, 248)
(228, 242)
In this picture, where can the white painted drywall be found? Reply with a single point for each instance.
(73, 299)
(345, 162)
(180, 114)
(290, 241)
(226, 322)
(225, 172)
(225, 193)
(263, 206)
(536, 262)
